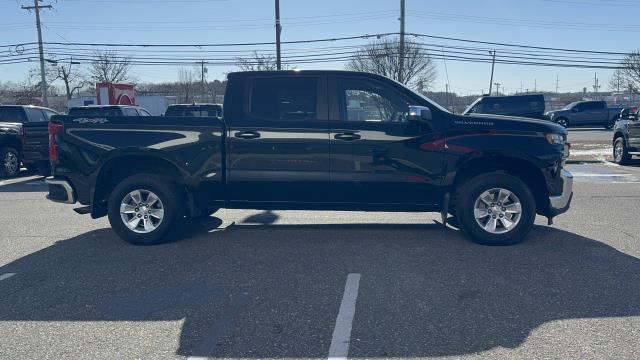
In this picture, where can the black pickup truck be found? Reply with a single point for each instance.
(15, 122)
(315, 140)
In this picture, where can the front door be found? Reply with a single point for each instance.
(278, 142)
(377, 155)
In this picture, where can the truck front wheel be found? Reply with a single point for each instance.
(143, 210)
(495, 209)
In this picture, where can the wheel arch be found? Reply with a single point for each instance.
(525, 170)
(117, 168)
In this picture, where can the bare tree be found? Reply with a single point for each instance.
(73, 78)
(382, 57)
(186, 83)
(258, 62)
(108, 66)
(617, 81)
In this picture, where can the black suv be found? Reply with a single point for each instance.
(13, 119)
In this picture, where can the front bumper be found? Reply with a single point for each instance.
(560, 204)
(60, 190)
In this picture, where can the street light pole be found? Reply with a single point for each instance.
(401, 52)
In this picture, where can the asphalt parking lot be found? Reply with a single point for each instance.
(299, 284)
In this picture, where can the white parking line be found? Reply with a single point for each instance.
(6, 276)
(339, 348)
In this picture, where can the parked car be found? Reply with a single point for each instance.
(585, 113)
(108, 110)
(213, 110)
(626, 138)
(293, 140)
(14, 150)
(529, 106)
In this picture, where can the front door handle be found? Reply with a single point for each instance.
(347, 136)
(247, 135)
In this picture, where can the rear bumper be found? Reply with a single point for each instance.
(561, 203)
(60, 190)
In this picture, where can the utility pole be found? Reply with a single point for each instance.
(446, 86)
(36, 7)
(497, 84)
(202, 70)
(401, 52)
(557, 82)
(535, 85)
(595, 86)
(493, 64)
(278, 31)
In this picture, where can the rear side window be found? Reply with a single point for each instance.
(284, 98)
(130, 112)
(12, 114)
(36, 115)
(94, 112)
(49, 114)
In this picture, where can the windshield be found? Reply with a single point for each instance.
(569, 106)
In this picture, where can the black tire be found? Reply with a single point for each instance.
(563, 122)
(9, 162)
(469, 192)
(169, 198)
(621, 154)
(44, 168)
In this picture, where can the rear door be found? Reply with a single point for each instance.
(377, 156)
(278, 140)
(598, 113)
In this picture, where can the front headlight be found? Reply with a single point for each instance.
(555, 139)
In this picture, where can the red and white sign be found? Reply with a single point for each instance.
(115, 94)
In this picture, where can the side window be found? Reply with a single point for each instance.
(11, 114)
(130, 112)
(284, 98)
(36, 115)
(367, 101)
(49, 114)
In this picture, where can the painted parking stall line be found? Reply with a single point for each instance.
(341, 338)
(6, 276)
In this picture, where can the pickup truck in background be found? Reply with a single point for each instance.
(108, 110)
(585, 113)
(626, 137)
(529, 106)
(201, 110)
(15, 149)
(316, 140)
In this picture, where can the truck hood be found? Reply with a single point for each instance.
(514, 123)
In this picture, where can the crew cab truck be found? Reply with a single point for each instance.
(585, 113)
(315, 140)
(626, 138)
(15, 120)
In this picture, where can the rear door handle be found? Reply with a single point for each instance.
(247, 134)
(347, 136)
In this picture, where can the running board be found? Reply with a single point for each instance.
(83, 210)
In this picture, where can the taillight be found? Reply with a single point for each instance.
(55, 130)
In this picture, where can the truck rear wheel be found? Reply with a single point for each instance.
(495, 209)
(9, 162)
(620, 152)
(143, 210)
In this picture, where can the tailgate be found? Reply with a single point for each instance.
(35, 141)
